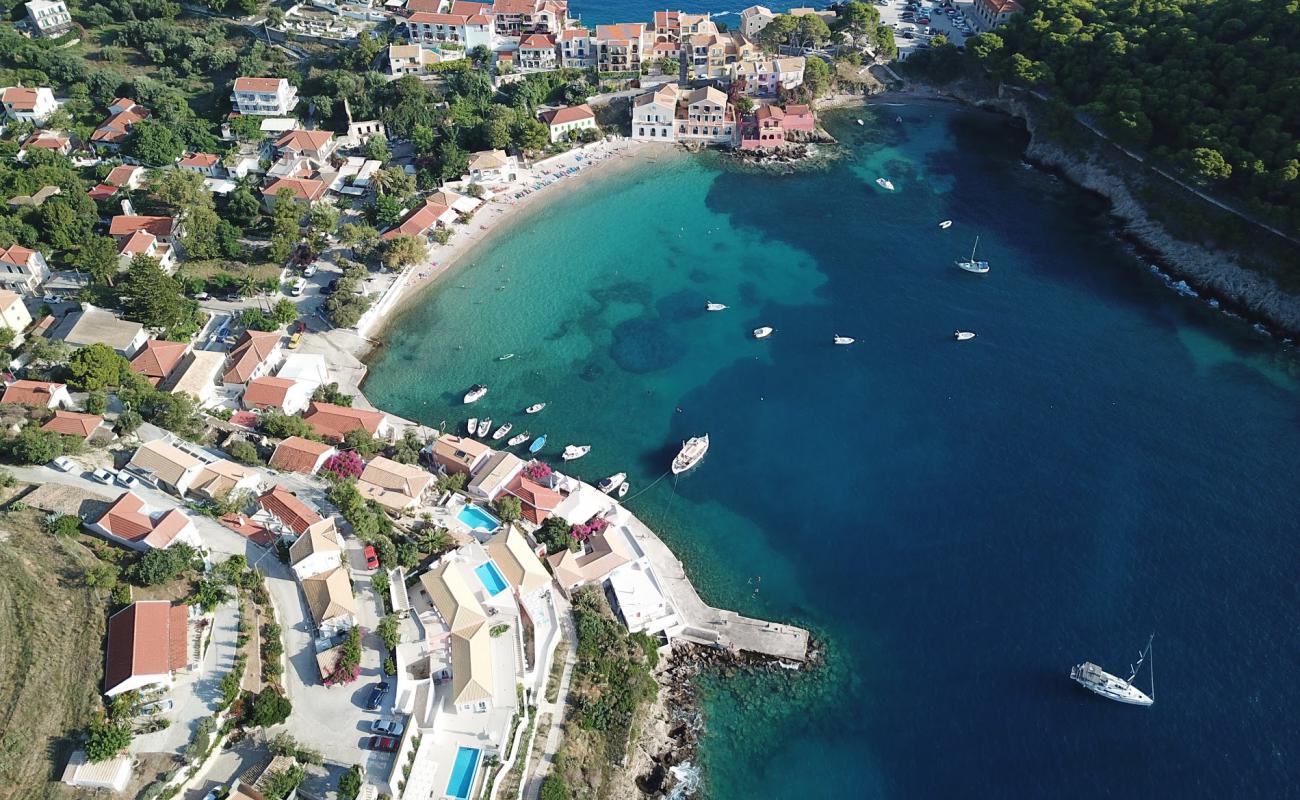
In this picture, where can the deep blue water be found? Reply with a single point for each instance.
(603, 12)
(960, 523)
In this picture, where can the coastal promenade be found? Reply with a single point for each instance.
(715, 627)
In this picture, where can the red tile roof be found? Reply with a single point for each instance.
(559, 116)
(468, 8)
(418, 221)
(48, 140)
(307, 189)
(335, 422)
(267, 392)
(252, 349)
(299, 139)
(72, 423)
(158, 358)
(297, 454)
(21, 98)
(126, 519)
(115, 129)
(149, 637)
(423, 6)
(537, 501)
(257, 84)
(121, 175)
(31, 393)
(102, 192)
(125, 225)
(538, 41)
(1003, 6)
(624, 31)
(200, 160)
(249, 529)
(138, 243)
(285, 506)
(16, 255)
(434, 18)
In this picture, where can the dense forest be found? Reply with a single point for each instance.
(1210, 88)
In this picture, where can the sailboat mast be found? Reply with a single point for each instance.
(1151, 658)
(974, 247)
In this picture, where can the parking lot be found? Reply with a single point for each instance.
(912, 34)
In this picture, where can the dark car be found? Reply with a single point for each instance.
(372, 558)
(907, 34)
(299, 326)
(377, 695)
(384, 744)
(331, 287)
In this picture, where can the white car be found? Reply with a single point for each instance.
(63, 464)
(310, 271)
(103, 476)
(128, 481)
(388, 727)
(298, 286)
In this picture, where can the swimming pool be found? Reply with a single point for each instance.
(478, 519)
(488, 573)
(462, 773)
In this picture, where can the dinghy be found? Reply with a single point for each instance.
(472, 425)
(843, 339)
(762, 333)
(714, 307)
(537, 445)
(622, 490)
(608, 485)
(534, 408)
(946, 224)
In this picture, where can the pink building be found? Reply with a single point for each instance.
(798, 118)
(763, 130)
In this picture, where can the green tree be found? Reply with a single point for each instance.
(129, 421)
(152, 297)
(378, 150)
(359, 439)
(389, 631)
(98, 257)
(96, 403)
(281, 425)
(104, 740)
(243, 206)
(816, 76)
(153, 142)
(508, 508)
(157, 567)
(245, 452)
(404, 251)
(32, 446)
(96, 367)
(269, 708)
(62, 226)
(350, 783)
(554, 533)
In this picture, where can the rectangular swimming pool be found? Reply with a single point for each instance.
(462, 773)
(478, 519)
(491, 577)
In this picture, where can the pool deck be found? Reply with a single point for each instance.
(706, 625)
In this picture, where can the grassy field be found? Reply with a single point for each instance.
(51, 654)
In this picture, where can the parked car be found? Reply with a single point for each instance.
(294, 341)
(310, 271)
(331, 288)
(383, 744)
(908, 35)
(299, 326)
(202, 296)
(103, 476)
(377, 695)
(372, 558)
(388, 727)
(63, 464)
(296, 288)
(127, 481)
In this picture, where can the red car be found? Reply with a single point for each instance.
(383, 744)
(372, 558)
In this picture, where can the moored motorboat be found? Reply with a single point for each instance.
(575, 451)
(885, 184)
(692, 451)
(763, 333)
(611, 483)
(506, 357)
(472, 425)
(534, 408)
(476, 392)
(947, 223)
(502, 431)
(484, 425)
(843, 339)
(963, 336)
(714, 307)
(538, 444)
(622, 490)
(518, 439)
(860, 122)
(970, 264)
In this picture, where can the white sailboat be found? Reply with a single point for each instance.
(502, 431)
(484, 425)
(518, 439)
(970, 264)
(843, 339)
(575, 451)
(963, 336)
(534, 408)
(714, 307)
(1097, 680)
(692, 451)
(608, 485)
(885, 184)
(763, 333)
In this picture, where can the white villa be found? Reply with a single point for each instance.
(274, 97)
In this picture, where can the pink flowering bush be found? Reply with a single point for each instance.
(345, 464)
(585, 531)
(537, 471)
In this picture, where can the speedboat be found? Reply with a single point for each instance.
(963, 336)
(517, 439)
(946, 224)
(714, 307)
(622, 490)
(502, 431)
(538, 444)
(860, 122)
(484, 425)
(506, 357)
(475, 393)
(692, 451)
(472, 425)
(611, 483)
(970, 264)
(534, 408)
(885, 183)
(843, 339)
(575, 451)
(763, 333)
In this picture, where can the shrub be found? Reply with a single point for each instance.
(389, 631)
(269, 708)
(350, 783)
(106, 739)
(62, 524)
(345, 464)
(245, 452)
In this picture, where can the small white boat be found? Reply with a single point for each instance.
(575, 451)
(534, 408)
(692, 451)
(611, 483)
(970, 264)
(622, 490)
(860, 122)
(946, 224)
(843, 339)
(963, 336)
(763, 333)
(885, 183)
(518, 439)
(502, 431)
(506, 357)
(714, 307)
(472, 425)
(484, 425)
(475, 393)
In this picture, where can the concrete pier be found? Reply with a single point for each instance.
(706, 625)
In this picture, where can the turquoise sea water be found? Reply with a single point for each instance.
(960, 523)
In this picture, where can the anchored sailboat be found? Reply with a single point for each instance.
(1095, 679)
(970, 264)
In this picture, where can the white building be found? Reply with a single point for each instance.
(576, 50)
(654, 113)
(13, 311)
(22, 269)
(763, 77)
(131, 523)
(709, 118)
(755, 19)
(493, 166)
(273, 97)
(166, 465)
(408, 59)
(563, 121)
(48, 17)
(148, 641)
(34, 105)
(317, 550)
(538, 52)
(451, 33)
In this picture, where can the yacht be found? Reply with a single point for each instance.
(622, 490)
(714, 307)
(472, 425)
(1112, 687)
(970, 264)
(534, 408)
(885, 183)
(502, 431)
(963, 336)
(843, 339)
(538, 444)
(575, 451)
(475, 393)
(484, 425)
(517, 439)
(762, 333)
(946, 224)
(613, 482)
(692, 451)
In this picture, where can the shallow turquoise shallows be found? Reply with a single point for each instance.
(462, 773)
(478, 519)
(490, 577)
(959, 522)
